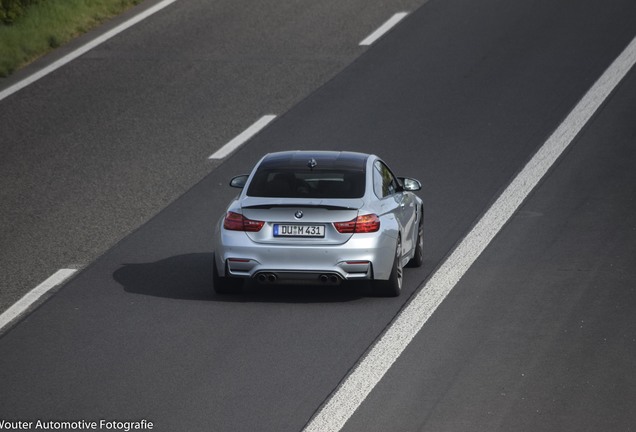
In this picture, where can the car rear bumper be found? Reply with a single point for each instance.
(363, 256)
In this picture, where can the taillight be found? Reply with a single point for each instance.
(238, 222)
(361, 224)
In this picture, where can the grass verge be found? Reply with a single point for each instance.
(49, 24)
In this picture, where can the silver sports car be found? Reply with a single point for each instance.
(319, 217)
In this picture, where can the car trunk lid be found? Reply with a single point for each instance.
(297, 221)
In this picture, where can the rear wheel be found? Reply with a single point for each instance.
(393, 286)
(225, 285)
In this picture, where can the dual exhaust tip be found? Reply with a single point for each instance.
(266, 278)
(328, 279)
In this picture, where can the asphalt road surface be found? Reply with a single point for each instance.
(97, 148)
(539, 335)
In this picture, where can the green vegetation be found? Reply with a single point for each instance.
(30, 28)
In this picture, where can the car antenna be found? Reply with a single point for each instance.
(312, 163)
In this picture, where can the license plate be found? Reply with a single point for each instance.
(285, 230)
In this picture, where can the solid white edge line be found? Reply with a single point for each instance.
(32, 296)
(383, 28)
(83, 49)
(242, 138)
(346, 399)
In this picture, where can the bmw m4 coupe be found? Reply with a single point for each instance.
(319, 217)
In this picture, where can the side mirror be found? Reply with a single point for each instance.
(410, 184)
(239, 181)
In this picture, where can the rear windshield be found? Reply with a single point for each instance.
(287, 183)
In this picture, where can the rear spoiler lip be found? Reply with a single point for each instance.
(295, 206)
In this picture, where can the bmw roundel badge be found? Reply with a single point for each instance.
(298, 214)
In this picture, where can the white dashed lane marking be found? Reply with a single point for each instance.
(33, 296)
(384, 28)
(241, 139)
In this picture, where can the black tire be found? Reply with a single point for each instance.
(393, 286)
(225, 285)
(418, 258)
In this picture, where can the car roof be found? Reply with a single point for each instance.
(323, 159)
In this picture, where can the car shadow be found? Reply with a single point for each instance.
(189, 277)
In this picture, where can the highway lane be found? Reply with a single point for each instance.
(95, 149)
(136, 335)
(540, 334)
